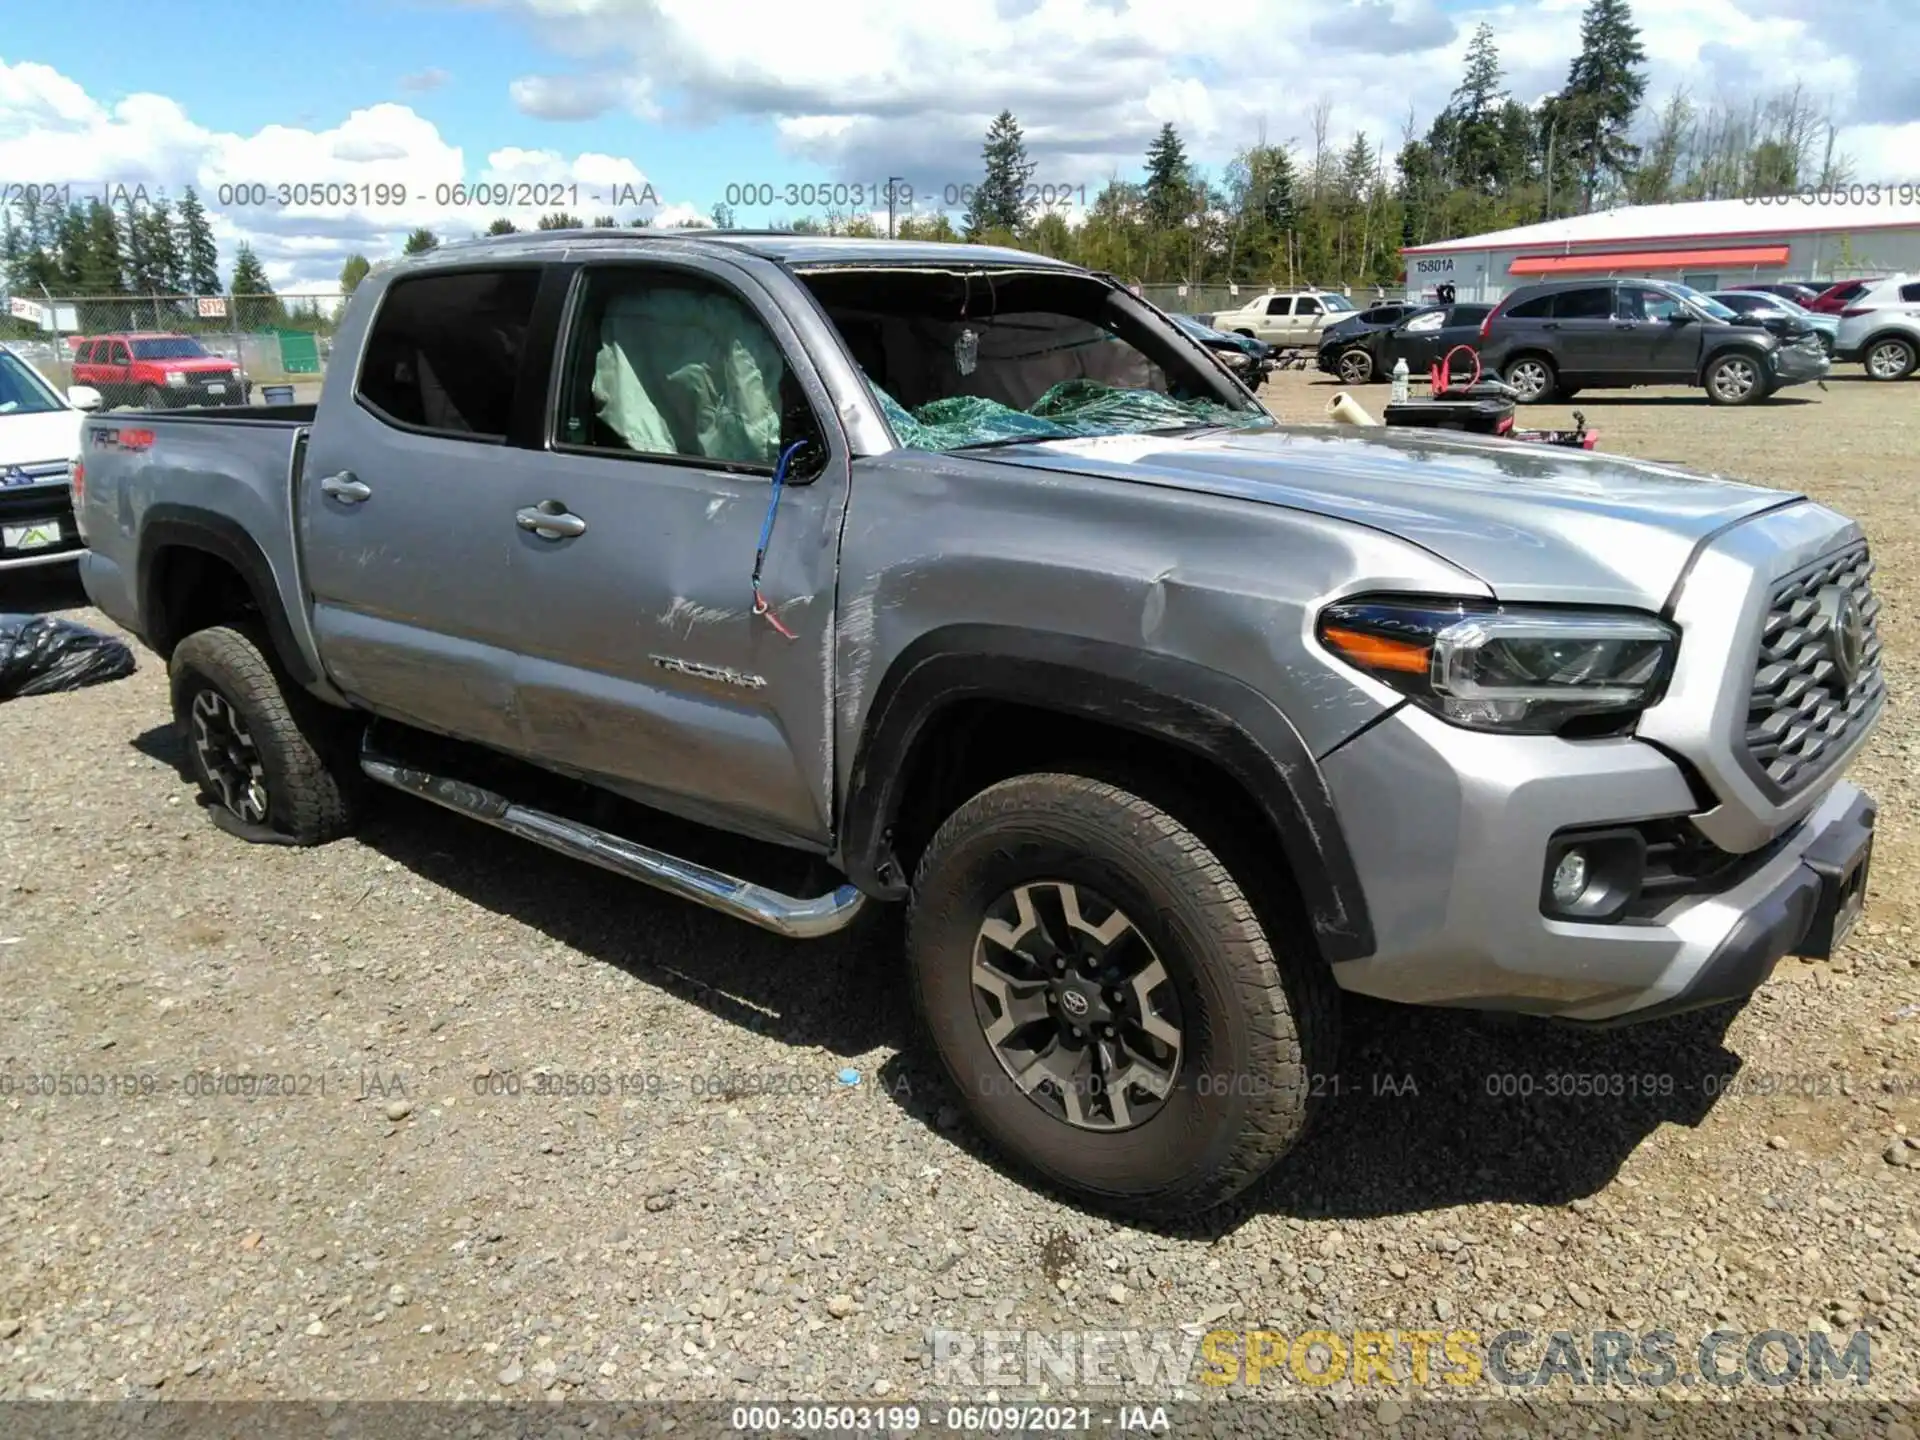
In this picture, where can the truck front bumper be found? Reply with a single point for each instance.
(1452, 831)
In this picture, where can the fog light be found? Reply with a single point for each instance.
(1570, 879)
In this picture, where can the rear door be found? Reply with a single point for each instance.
(1659, 337)
(407, 501)
(678, 385)
(1272, 326)
(1584, 332)
(1305, 321)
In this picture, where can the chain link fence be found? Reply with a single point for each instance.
(279, 342)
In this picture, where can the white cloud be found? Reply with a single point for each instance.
(360, 185)
(863, 87)
(429, 79)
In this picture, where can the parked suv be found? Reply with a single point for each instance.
(157, 372)
(1881, 329)
(1549, 341)
(1286, 317)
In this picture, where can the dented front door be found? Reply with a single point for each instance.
(643, 665)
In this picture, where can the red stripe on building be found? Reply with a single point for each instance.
(1649, 260)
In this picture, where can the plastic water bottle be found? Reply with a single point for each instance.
(1400, 381)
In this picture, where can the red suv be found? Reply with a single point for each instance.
(157, 372)
(1835, 298)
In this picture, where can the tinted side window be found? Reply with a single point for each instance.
(84, 354)
(1277, 305)
(1592, 304)
(445, 351)
(1538, 308)
(1909, 294)
(662, 362)
(1307, 305)
(1467, 314)
(120, 356)
(1639, 302)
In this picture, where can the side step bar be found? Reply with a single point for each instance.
(782, 914)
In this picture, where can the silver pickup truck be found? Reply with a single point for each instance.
(961, 577)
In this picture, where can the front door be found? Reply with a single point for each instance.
(645, 667)
(1650, 344)
(407, 503)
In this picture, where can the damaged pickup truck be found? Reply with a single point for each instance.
(788, 573)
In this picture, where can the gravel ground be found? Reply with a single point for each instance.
(740, 1222)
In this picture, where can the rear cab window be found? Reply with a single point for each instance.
(1910, 294)
(445, 350)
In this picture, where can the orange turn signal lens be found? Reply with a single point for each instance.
(1376, 652)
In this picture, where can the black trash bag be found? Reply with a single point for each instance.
(40, 655)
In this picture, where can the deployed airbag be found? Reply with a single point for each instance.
(690, 373)
(40, 655)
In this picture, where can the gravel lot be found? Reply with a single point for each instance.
(741, 1222)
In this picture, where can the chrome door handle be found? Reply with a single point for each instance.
(551, 520)
(345, 488)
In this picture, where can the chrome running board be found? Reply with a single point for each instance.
(786, 915)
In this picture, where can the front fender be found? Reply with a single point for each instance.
(1199, 709)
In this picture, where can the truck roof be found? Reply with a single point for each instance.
(783, 246)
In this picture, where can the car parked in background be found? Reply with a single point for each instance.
(39, 437)
(157, 371)
(1421, 340)
(1550, 340)
(1881, 329)
(1383, 316)
(1836, 297)
(1286, 317)
(1250, 359)
(1780, 315)
(1798, 291)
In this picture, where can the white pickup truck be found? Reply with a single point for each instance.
(1286, 317)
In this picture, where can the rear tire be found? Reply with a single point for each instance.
(273, 757)
(150, 398)
(1737, 379)
(1222, 1049)
(1891, 358)
(1534, 377)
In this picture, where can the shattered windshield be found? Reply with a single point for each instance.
(960, 360)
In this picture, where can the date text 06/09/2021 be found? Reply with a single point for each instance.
(967, 1419)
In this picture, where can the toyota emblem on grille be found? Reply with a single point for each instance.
(1846, 632)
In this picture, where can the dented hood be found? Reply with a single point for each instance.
(1534, 522)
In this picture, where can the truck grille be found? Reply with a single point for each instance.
(1804, 706)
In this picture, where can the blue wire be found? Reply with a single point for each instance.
(773, 505)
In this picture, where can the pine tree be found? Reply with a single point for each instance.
(1168, 186)
(1471, 128)
(606, 222)
(249, 276)
(420, 242)
(1594, 112)
(503, 226)
(162, 265)
(352, 273)
(1001, 202)
(558, 220)
(102, 267)
(722, 216)
(200, 260)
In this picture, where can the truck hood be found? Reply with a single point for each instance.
(1534, 522)
(27, 439)
(195, 364)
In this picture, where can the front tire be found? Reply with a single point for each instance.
(1106, 1001)
(1355, 366)
(272, 760)
(1737, 379)
(1891, 359)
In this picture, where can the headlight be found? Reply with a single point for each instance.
(1509, 668)
(176, 377)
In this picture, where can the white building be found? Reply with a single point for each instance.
(1709, 244)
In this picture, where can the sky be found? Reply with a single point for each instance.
(661, 108)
